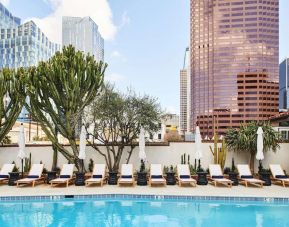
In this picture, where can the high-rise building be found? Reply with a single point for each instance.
(234, 62)
(284, 85)
(24, 45)
(83, 34)
(7, 20)
(185, 94)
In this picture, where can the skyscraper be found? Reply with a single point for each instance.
(7, 20)
(284, 85)
(185, 94)
(24, 45)
(234, 62)
(83, 34)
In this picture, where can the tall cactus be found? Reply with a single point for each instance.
(12, 98)
(59, 90)
(219, 154)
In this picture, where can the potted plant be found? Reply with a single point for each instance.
(142, 174)
(171, 179)
(233, 174)
(14, 175)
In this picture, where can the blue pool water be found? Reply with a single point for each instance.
(142, 212)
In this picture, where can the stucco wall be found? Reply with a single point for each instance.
(166, 155)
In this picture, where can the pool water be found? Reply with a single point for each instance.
(142, 212)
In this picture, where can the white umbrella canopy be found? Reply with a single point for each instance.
(142, 153)
(82, 143)
(21, 143)
(260, 154)
(198, 141)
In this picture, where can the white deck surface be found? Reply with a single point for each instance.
(209, 190)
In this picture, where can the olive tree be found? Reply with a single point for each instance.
(116, 119)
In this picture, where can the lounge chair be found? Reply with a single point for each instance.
(184, 175)
(156, 175)
(246, 176)
(4, 173)
(279, 175)
(216, 176)
(34, 175)
(65, 177)
(126, 175)
(98, 175)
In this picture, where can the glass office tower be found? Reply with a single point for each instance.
(7, 20)
(25, 45)
(284, 85)
(83, 34)
(234, 62)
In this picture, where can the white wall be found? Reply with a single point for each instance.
(166, 155)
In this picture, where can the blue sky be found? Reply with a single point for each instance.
(145, 40)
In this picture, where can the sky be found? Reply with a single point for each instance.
(145, 40)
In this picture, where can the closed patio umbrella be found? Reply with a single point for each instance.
(198, 141)
(142, 153)
(21, 143)
(82, 146)
(260, 153)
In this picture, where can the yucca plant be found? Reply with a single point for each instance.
(244, 139)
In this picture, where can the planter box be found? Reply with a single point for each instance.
(142, 178)
(171, 179)
(13, 177)
(112, 178)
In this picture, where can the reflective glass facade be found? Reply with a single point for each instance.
(83, 34)
(284, 85)
(229, 39)
(24, 46)
(185, 94)
(7, 20)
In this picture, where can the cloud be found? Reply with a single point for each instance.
(5, 2)
(125, 20)
(114, 77)
(117, 55)
(98, 10)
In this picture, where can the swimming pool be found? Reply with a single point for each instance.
(119, 211)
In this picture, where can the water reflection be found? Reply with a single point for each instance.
(141, 213)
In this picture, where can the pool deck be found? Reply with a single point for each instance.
(274, 191)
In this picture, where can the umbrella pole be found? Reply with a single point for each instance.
(22, 167)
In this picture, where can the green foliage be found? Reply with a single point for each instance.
(59, 91)
(6, 140)
(15, 169)
(142, 168)
(117, 119)
(245, 139)
(91, 165)
(12, 98)
(193, 170)
(27, 164)
(169, 169)
(38, 138)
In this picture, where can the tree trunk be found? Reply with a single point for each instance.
(55, 157)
